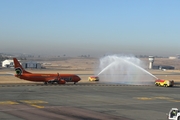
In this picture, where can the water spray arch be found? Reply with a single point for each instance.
(124, 69)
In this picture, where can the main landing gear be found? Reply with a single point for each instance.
(49, 82)
(52, 82)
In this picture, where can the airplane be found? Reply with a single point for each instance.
(46, 78)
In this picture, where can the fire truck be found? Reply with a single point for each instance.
(164, 83)
(93, 78)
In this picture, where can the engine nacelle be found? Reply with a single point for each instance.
(62, 81)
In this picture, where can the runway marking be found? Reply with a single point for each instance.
(156, 98)
(8, 102)
(37, 106)
(33, 101)
(163, 98)
(144, 98)
(153, 98)
(175, 100)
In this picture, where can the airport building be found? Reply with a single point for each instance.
(7, 63)
(172, 57)
(160, 67)
(32, 64)
(164, 67)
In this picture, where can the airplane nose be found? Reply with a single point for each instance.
(78, 77)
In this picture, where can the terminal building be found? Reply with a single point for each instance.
(31, 64)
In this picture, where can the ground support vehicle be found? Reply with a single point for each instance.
(174, 114)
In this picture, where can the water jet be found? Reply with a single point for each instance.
(124, 70)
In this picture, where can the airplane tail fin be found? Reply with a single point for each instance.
(18, 68)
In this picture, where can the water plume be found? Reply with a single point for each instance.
(124, 70)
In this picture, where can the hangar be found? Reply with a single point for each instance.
(166, 67)
(7, 63)
(31, 64)
(163, 67)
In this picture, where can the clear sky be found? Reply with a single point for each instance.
(90, 27)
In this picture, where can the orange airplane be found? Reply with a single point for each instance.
(46, 78)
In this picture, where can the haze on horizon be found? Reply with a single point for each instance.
(90, 27)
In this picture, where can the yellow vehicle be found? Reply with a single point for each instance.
(93, 78)
(165, 83)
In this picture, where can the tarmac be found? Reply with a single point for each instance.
(25, 100)
(86, 101)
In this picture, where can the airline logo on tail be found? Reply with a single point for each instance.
(18, 71)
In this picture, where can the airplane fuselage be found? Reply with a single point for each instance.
(47, 77)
